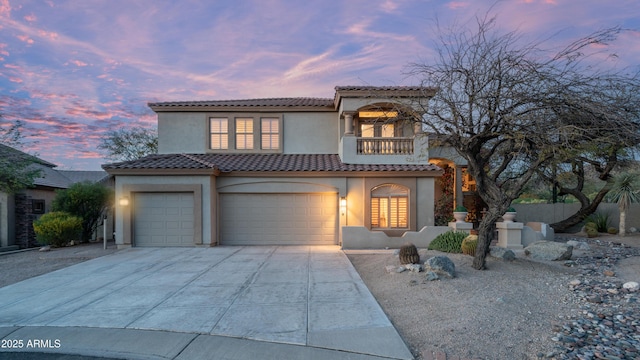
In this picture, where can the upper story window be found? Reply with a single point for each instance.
(369, 130)
(245, 133)
(379, 124)
(219, 130)
(270, 133)
(390, 207)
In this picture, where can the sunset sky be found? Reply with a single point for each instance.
(72, 70)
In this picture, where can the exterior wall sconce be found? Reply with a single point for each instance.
(123, 201)
(343, 205)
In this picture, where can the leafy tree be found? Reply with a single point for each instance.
(86, 200)
(129, 144)
(624, 192)
(511, 109)
(16, 170)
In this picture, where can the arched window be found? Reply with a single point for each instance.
(390, 207)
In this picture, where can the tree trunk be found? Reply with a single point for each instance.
(623, 223)
(485, 236)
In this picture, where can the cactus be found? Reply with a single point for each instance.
(612, 230)
(409, 254)
(469, 245)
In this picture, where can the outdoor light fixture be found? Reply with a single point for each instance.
(343, 204)
(124, 201)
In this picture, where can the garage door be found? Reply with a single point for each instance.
(163, 219)
(279, 219)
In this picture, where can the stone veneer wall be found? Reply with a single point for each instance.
(25, 236)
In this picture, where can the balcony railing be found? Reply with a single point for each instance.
(385, 146)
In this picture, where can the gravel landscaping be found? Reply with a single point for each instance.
(523, 309)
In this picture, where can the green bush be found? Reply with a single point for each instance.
(450, 242)
(601, 220)
(57, 228)
(86, 200)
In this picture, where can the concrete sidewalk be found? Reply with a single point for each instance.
(186, 303)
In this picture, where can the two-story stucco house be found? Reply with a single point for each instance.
(280, 171)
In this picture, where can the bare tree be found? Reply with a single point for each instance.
(129, 144)
(511, 109)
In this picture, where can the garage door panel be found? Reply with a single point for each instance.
(164, 219)
(275, 219)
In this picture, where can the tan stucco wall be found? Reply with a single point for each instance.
(205, 183)
(182, 133)
(425, 202)
(303, 132)
(311, 133)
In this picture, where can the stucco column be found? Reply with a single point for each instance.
(348, 123)
(417, 128)
(458, 191)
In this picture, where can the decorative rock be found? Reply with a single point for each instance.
(416, 268)
(502, 253)
(549, 251)
(391, 269)
(45, 248)
(575, 282)
(633, 230)
(441, 265)
(631, 286)
(431, 276)
(608, 273)
(579, 245)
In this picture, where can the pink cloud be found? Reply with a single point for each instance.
(78, 63)
(455, 5)
(48, 34)
(5, 8)
(25, 38)
(3, 49)
(31, 18)
(15, 80)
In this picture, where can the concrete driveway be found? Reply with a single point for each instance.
(195, 300)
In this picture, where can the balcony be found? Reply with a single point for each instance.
(384, 146)
(384, 150)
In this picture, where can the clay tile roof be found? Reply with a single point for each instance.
(268, 102)
(258, 163)
(379, 88)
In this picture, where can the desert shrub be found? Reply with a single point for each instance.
(57, 228)
(601, 220)
(469, 245)
(450, 241)
(612, 230)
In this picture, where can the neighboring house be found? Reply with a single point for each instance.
(281, 171)
(17, 211)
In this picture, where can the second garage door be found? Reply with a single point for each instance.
(164, 219)
(279, 219)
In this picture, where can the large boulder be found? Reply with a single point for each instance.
(549, 251)
(441, 265)
(502, 253)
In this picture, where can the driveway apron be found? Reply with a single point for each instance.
(300, 295)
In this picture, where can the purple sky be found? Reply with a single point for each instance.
(72, 70)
